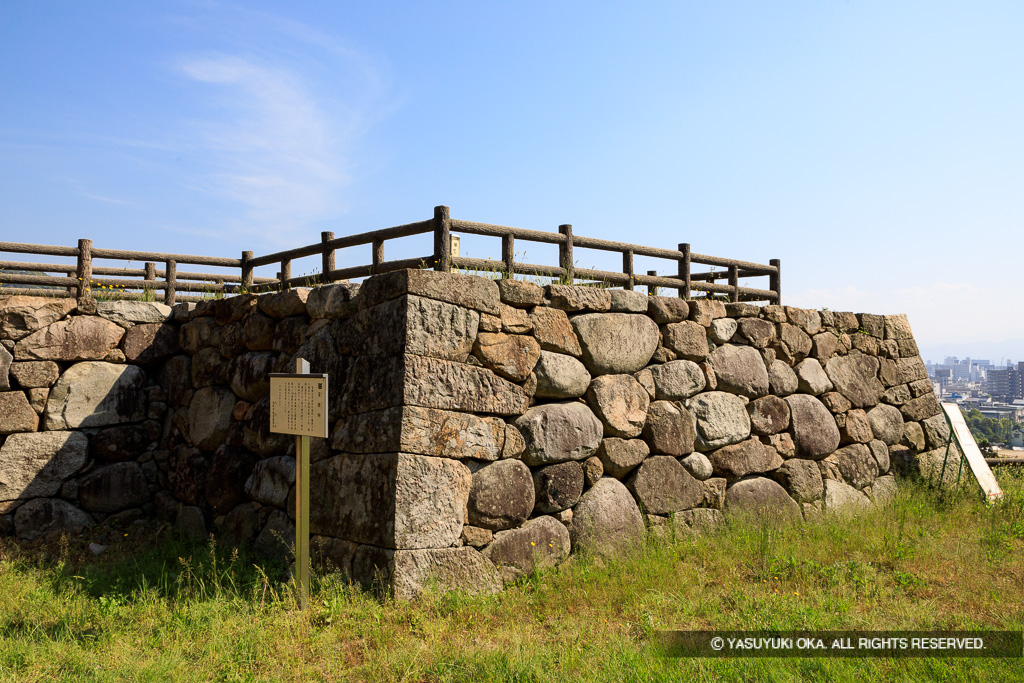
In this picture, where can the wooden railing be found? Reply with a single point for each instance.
(171, 281)
(442, 226)
(82, 279)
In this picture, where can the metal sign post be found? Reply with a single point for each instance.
(298, 405)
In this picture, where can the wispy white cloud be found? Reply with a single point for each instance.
(271, 146)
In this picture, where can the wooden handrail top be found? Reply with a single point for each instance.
(492, 230)
(177, 258)
(41, 249)
(49, 250)
(417, 228)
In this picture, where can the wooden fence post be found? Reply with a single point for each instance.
(565, 254)
(652, 290)
(378, 254)
(150, 277)
(247, 257)
(508, 246)
(73, 287)
(734, 282)
(775, 280)
(684, 271)
(627, 267)
(172, 280)
(286, 273)
(442, 239)
(84, 269)
(328, 257)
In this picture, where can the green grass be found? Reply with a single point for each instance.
(154, 608)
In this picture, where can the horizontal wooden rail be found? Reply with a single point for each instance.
(406, 230)
(131, 272)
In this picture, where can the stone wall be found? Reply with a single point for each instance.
(480, 429)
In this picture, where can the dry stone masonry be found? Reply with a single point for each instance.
(480, 429)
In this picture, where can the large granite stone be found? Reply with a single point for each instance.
(615, 343)
(661, 486)
(621, 403)
(574, 298)
(376, 382)
(35, 465)
(127, 313)
(284, 304)
(815, 432)
(677, 380)
(560, 376)
(230, 468)
(16, 413)
(477, 293)
(760, 333)
(123, 442)
(35, 374)
(554, 332)
(721, 419)
(841, 498)
(209, 416)
(47, 517)
(855, 377)
(540, 543)
(687, 339)
(424, 431)
(740, 370)
(740, 459)
(94, 394)
(520, 293)
(761, 496)
(512, 356)
(606, 520)
(782, 381)
(851, 464)
(557, 487)
(801, 479)
(921, 408)
(114, 487)
(670, 428)
(557, 432)
(20, 316)
(77, 338)
(768, 415)
(502, 495)
(408, 573)
(150, 342)
(250, 374)
(410, 324)
(390, 500)
(811, 377)
(886, 424)
(336, 301)
(620, 456)
(271, 480)
(665, 310)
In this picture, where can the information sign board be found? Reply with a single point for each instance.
(298, 404)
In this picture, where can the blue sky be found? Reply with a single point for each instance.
(877, 148)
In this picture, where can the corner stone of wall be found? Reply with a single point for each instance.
(479, 429)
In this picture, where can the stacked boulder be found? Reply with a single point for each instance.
(480, 429)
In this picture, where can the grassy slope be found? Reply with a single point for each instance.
(152, 608)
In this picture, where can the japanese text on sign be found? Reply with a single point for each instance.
(298, 404)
